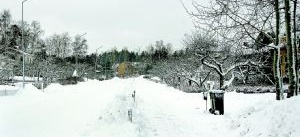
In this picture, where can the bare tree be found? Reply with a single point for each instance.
(192, 72)
(182, 72)
(79, 46)
(221, 57)
(243, 21)
(59, 45)
(35, 41)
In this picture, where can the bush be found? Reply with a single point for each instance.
(254, 89)
(70, 80)
(147, 76)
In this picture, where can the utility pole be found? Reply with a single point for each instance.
(105, 66)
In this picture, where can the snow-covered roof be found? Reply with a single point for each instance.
(156, 78)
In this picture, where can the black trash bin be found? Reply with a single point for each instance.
(217, 101)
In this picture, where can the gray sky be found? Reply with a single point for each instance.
(109, 23)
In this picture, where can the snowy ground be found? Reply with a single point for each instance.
(100, 109)
(9, 90)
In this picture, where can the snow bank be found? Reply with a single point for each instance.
(8, 87)
(29, 91)
(114, 120)
(8, 90)
(61, 111)
(269, 118)
(53, 87)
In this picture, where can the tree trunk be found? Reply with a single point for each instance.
(295, 48)
(280, 81)
(276, 54)
(221, 81)
(38, 75)
(277, 88)
(289, 49)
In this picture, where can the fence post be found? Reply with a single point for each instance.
(130, 115)
(43, 86)
(133, 96)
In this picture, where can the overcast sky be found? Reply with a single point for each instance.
(109, 23)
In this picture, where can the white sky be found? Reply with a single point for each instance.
(109, 23)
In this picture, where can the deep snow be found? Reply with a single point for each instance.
(94, 109)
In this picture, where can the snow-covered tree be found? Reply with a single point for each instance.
(59, 45)
(6, 68)
(221, 57)
(35, 43)
(243, 21)
(7, 35)
(182, 71)
(79, 46)
(192, 73)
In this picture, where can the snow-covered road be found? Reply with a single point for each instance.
(173, 113)
(94, 108)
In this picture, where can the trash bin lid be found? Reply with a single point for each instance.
(216, 91)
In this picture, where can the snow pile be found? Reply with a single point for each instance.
(8, 87)
(115, 120)
(29, 91)
(8, 90)
(269, 119)
(122, 117)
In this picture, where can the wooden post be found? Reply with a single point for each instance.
(133, 96)
(43, 86)
(130, 115)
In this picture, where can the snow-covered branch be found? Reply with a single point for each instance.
(216, 68)
(274, 46)
(228, 83)
(236, 65)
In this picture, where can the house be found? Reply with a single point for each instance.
(28, 58)
(125, 69)
(283, 53)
